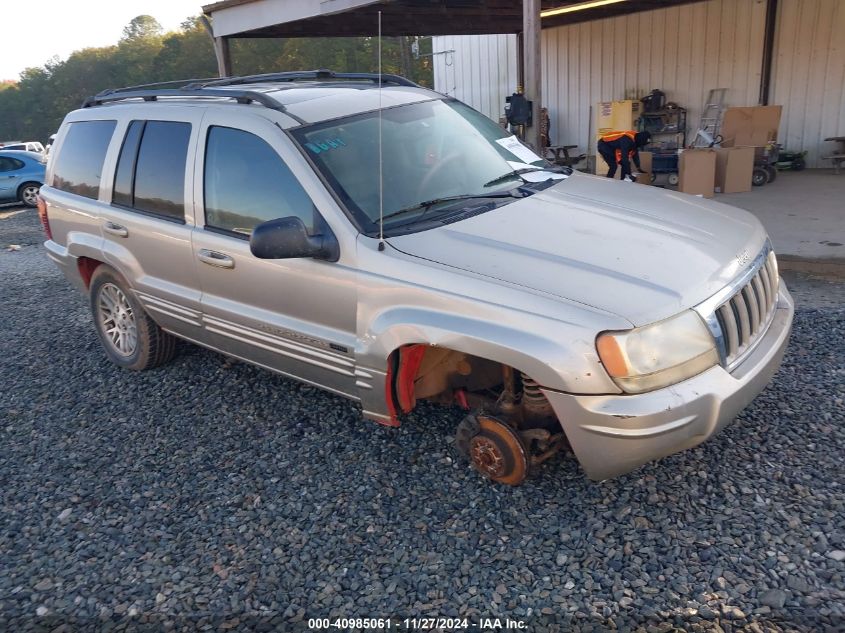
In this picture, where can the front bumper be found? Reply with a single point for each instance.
(611, 435)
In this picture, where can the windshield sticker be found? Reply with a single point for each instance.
(512, 144)
(326, 145)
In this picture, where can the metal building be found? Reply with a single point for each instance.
(337, 18)
(683, 50)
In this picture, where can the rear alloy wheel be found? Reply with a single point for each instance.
(759, 176)
(497, 452)
(673, 179)
(128, 334)
(28, 194)
(117, 319)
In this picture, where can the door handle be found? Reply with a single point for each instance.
(116, 229)
(213, 258)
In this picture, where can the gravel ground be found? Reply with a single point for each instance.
(207, 496)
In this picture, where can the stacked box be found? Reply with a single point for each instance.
(734, 168)
(697, 172)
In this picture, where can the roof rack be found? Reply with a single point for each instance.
(180, 83)
(241, 96)
(305, 75)
(210, 88)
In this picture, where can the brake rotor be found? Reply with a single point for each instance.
(497, 452)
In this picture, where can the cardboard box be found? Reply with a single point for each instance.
(645, 163)
(753, 126)
(697, 169)
(734, 166)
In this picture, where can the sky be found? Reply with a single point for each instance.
(36, 30)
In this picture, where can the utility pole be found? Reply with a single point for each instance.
(532, 70)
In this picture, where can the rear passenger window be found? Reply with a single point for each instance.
(150, 174)
(79, 165)
(10, 164)
(247, 183)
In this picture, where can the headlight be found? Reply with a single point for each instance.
(659, 354)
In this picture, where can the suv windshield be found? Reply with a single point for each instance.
(435, 153)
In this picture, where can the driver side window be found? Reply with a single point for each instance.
(247, 183)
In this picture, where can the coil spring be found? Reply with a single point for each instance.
(531, 393)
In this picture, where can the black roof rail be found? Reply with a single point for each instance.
(208, 88)
(241, 96)
(304, 75)
(181, 83)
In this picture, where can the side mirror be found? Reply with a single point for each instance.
(287, 238)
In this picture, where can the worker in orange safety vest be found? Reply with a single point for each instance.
(620, 148)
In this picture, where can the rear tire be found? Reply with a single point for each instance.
(673, 179)
(759, 176)
(772, 173)
(798, 164)
(129, 336)
(28, 194)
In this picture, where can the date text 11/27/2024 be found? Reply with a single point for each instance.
(415, 624)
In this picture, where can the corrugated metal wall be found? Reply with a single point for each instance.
(809, 75)
(684, 51)
(481, 71)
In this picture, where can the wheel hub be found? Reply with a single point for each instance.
(497, 452)
(487, 457)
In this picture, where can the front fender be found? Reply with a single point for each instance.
(562, 363)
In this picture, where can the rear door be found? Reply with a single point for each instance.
(10, 171)
(147, 227)
(296, 316)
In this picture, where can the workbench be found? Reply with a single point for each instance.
(560, 155)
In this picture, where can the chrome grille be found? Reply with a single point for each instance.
(745, 316)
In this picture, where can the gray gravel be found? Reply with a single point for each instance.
(227, 498)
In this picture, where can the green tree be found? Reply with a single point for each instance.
(142, 27)
(185, 54)
(33, 107)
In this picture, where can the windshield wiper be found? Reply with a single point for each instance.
(517, 173)
(467, 196)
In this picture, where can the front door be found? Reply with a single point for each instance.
(295, 316)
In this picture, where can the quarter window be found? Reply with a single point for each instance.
(150, 174)
(79, 165)
(125, 172)
(247, 183)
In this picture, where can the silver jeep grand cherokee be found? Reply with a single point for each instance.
(559, 309)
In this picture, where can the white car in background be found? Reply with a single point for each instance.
(25, 146)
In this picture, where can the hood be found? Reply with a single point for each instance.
(637, 251)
